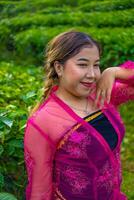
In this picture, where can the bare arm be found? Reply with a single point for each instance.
(112, 76)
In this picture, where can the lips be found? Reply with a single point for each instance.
(87, 84)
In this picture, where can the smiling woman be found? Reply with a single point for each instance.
(78, 74)
(72, 140)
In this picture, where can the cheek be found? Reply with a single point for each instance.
(98, 73)
(75, 74)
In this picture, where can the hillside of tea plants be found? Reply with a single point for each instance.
(25, 29)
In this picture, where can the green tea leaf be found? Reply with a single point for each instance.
(7, 196)
(6, 121)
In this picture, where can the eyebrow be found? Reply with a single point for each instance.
(85, 59)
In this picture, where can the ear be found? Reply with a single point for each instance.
(58, 68)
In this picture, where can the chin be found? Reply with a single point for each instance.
(82, 95)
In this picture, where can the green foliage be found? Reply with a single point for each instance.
(17, 96)
(7, 196)
(117, 42)
(26, 39)
(12, 8)
(128, 184)
(29, 45)
(96, 19)
(32, 43)
(105, 5)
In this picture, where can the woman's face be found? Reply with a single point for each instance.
(80, 73)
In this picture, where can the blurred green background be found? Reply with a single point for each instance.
(25, 29)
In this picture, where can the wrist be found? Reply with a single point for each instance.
(116, 72)
(113, 71)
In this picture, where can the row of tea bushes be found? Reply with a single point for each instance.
(104, 6)
(29, 45)
(12, 8)
(31, 25)
(97, 19)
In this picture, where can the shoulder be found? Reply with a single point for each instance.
(41, 113)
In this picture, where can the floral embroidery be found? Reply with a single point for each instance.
(76, 179)
(117, 156)
(122, 94)
(76, 145)
(105, 179)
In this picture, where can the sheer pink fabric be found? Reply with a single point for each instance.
(51, 138)
(43, 132)
(38, 155)
(123, 90)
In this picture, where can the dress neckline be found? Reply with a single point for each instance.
(92, 114)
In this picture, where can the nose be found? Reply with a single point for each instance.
(90, 73)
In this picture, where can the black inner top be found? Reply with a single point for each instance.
(104, 127)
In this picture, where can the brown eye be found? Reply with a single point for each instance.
(82, 65)
(97, 65)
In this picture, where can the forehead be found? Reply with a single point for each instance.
(90, 53)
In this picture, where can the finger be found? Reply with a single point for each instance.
(98, 93)
(103, 97)
(93, 90)
(108, 95)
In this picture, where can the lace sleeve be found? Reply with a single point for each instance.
(38, 159)
(123, 89)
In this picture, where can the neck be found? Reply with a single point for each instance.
(82, 106)
(70, 98)
(75, 102)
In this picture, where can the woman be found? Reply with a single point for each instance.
(72, 141)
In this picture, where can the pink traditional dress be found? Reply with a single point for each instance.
(73, 158)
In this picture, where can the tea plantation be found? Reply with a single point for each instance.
(25, 29)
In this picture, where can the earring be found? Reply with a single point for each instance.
(59, 74)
